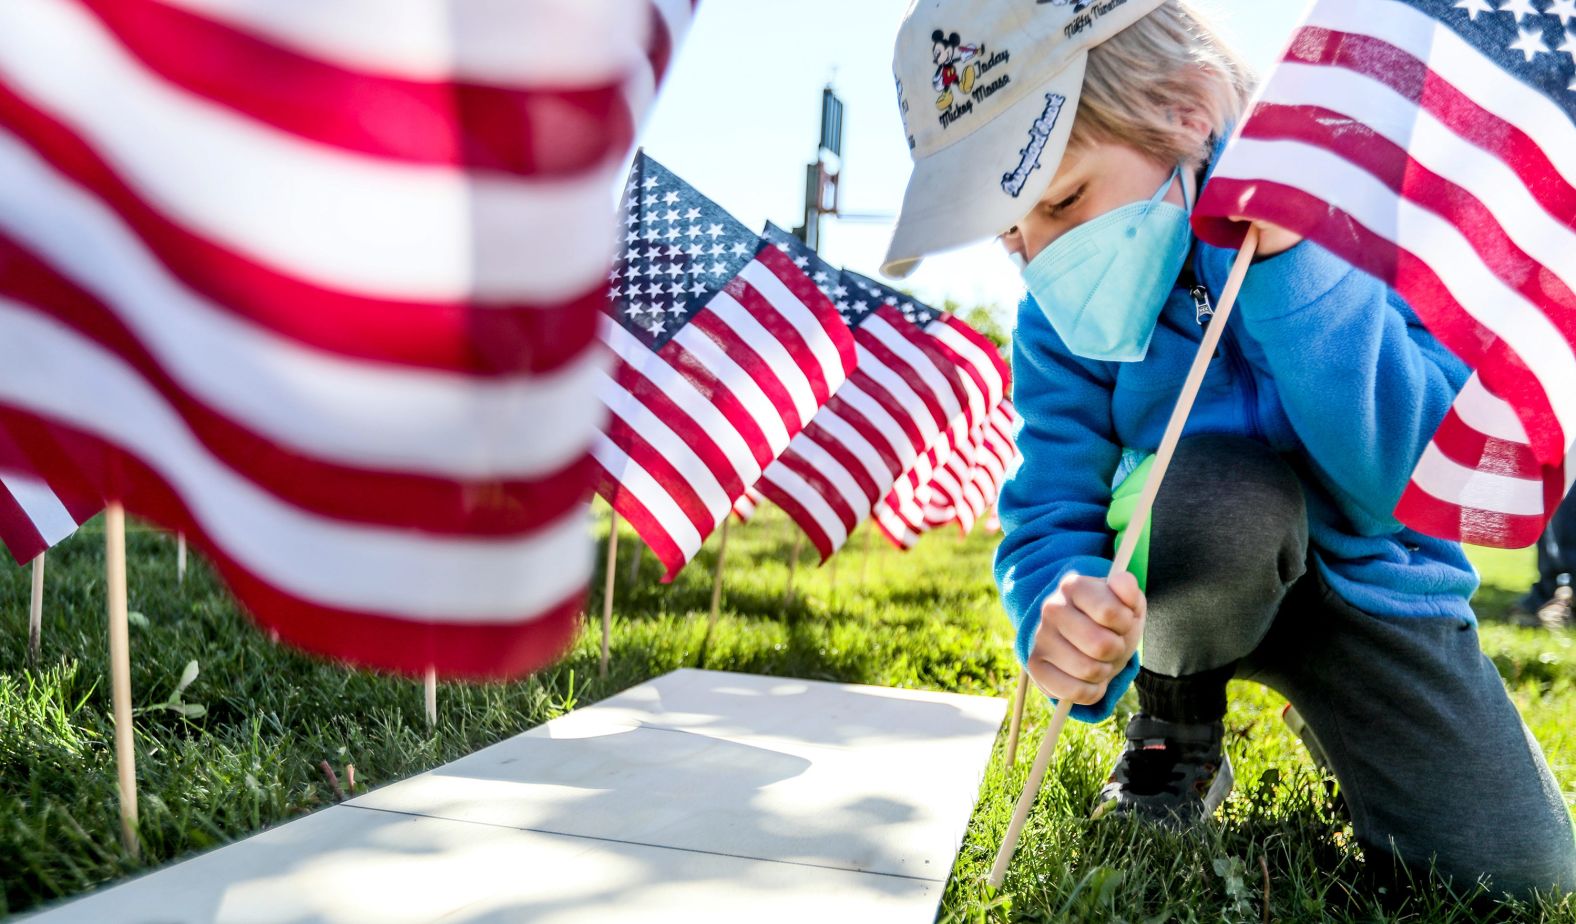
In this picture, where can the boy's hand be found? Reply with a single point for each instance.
(1089, 630)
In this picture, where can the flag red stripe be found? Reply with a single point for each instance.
(1411, 277)
(781, 329)
(990, 372)
(708, 384)
(21, 538)
(857, 472)
(943, 361)
(678, 486)
(656, 400)
(1436, 517)
(791, 505)
(1412, 78)
(537, 132)
(763, 373)
(461, 650)
(862, 425)
(902, 370)
(645, 524)
(830, 495)
(820, 308)
(1469, 448)
(450, 336)
(394, 498)
(888, 402)
(1392, 165)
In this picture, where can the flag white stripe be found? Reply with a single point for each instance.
(1443, 478)
(802, 318)
(1435, 241)
(352, 412)
(784, 368)
(974, 356)
(838, 428)
(1434, 145)
(1463, 66)
(743, 387)
(673, 448)
(829, 468)
(916, 359)
(905, 396)
(857, 398)
(592, 42)
(333, 563)
(1488, 413)
(43, 509)
(639, 484)
(682, 392)
(341, 220)
(813, 502)
(897, 528)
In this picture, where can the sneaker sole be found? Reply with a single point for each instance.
(1221, 788)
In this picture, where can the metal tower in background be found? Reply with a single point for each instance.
(820, 184)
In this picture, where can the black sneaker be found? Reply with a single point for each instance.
(1555, 615)
(1171, 773)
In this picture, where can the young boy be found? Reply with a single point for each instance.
(1273, 554)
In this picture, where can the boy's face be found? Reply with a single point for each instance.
(1091, 181)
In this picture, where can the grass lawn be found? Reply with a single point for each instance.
(927, 619)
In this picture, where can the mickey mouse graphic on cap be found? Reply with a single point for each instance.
(948, 51)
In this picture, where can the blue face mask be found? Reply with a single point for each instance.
(1102, 284)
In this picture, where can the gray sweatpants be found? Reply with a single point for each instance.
(1433, 761)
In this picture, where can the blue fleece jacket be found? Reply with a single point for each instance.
(1319, 361)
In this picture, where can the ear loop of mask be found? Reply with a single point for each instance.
(1176, 177)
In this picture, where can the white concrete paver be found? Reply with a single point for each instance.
(696, 796)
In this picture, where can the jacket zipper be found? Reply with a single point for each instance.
(1204, 311)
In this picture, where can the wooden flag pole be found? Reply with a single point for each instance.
(793, 565)
(1016, 725)
(120, 671)
(180, 559)
(35, 612)
(607, 589)
(716, 582)
(430, 688)
(1135, 529)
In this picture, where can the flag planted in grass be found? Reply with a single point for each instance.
(1433, 144)
(37, 513)
(957, 482)
(942, 476)
(746, 506)
(902, 396)
(724, 350)
(324, 297)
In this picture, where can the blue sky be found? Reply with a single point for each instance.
(740, 115)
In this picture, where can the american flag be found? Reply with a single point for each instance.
(958, 482)
(746, 506)
(36, 514)
(323, 296)
(1433, 144)
(940, 478)
(903, 394)
(725, 350)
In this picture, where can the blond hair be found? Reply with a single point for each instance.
(1137, 82)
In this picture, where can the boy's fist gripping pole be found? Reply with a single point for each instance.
(1088, 632)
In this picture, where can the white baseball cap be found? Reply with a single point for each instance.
(988, 90)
